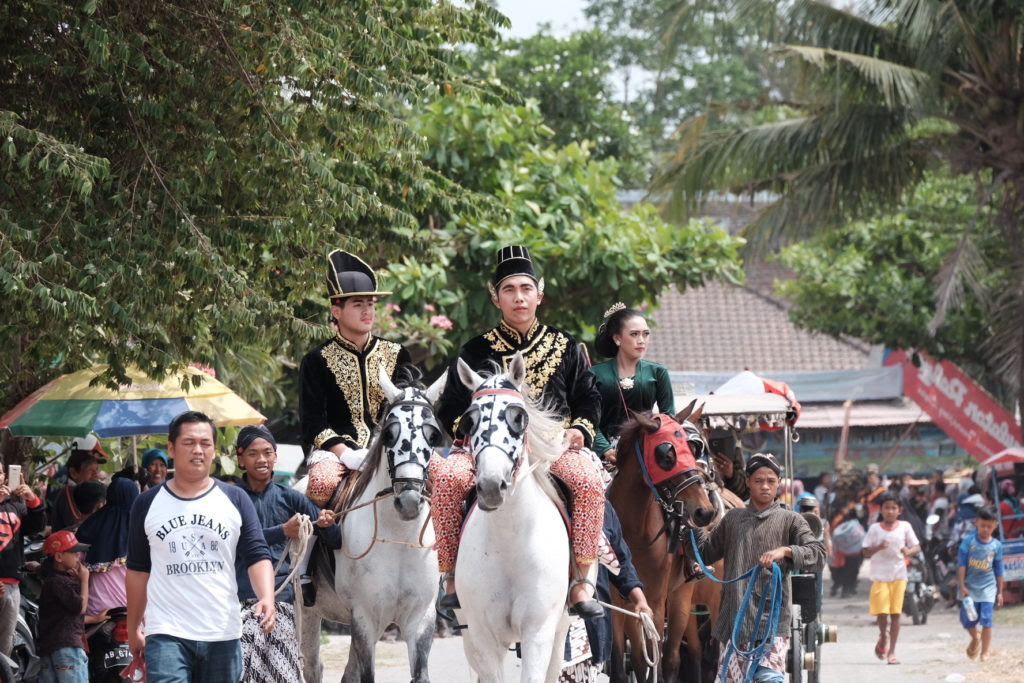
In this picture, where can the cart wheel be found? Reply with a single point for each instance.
(796, 658)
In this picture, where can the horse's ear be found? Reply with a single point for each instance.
(517, 370)
(683, 414)
(468, 376)
(391, 392)
(435, 389)
(647, 423)
(696, 415)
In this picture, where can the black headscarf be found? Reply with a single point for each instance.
(250, 434)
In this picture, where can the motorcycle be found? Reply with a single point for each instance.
(23, 662)
(940, 566)
(919, 595)
(108, 647)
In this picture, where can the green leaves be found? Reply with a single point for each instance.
(172, 174)
(562, 204)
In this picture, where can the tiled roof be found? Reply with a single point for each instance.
(727, 327)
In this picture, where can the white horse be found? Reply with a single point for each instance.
(396, 580)
(512, 568)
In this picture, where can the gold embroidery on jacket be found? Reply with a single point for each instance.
(323, 436)
(383, 355)
(498, 345)
(543, 360)
(345, 366)
(586, 425)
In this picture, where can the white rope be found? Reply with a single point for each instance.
(652, 636)
(295, 551)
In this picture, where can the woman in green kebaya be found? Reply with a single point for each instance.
(627, 380)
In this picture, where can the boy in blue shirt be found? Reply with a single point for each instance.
(980, 571)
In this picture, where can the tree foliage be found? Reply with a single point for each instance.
(875, 279)
(570, 79)
(173, 173)
(881, 93)
(681, 58)
(562, 204)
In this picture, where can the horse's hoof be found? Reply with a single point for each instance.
(449, 601)
(587, 609)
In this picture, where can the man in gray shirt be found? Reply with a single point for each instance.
(761, 533)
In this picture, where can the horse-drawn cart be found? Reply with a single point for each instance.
(745, 413)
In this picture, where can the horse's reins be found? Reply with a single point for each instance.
(296, 549)
(389, 492)
(384, 495)
(652, 638)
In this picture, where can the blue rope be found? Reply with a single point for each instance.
(760, 645)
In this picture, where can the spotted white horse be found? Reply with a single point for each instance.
(512, 568)
(387, 568)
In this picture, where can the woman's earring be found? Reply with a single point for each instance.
(618, 343)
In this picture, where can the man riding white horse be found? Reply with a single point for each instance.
(340, 396)
(558, 373)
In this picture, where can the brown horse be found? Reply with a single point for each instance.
(665, 450)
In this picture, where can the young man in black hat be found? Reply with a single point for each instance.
(340, 398)
(760, 533)
(558, 373)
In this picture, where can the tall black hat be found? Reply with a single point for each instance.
(514, 260)
(348, 275)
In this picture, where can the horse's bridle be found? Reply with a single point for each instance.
(515, 457)
(665, 493)
(406, 482)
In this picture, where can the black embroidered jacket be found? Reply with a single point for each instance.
(340, 398)
(556, 371)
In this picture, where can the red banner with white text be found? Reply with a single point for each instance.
(958, 405)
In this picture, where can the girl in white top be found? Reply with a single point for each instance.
(888, 543)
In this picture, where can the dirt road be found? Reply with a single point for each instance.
(931, 652)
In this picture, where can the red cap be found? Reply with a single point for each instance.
(62, 542)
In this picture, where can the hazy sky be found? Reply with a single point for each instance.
(564, 15)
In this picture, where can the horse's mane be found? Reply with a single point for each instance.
(409, 378)
(629, 433)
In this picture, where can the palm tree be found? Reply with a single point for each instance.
(878, 94)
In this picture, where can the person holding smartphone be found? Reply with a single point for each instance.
(24, 515)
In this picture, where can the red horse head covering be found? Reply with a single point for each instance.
(666, 452)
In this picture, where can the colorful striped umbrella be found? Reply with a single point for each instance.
(68, 406)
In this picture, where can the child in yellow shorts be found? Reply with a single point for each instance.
(888, 543)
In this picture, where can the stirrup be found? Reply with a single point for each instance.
(446, 601)
(586, 609)
(443, 605)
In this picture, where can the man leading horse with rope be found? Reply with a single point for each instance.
(558, 373)
(761, 535)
